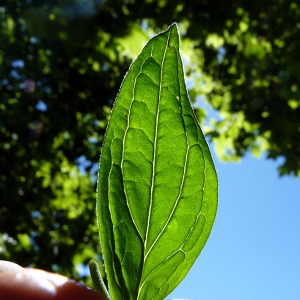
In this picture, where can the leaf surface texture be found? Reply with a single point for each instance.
(157, 188)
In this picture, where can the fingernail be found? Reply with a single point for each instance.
(8, 266)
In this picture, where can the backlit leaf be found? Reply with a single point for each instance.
(157, 189)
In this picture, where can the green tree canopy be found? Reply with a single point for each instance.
(61, 65)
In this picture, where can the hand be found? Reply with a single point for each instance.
(24, 284)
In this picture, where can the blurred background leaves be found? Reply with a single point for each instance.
(61, 65)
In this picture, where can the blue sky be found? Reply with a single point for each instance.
(254, 249)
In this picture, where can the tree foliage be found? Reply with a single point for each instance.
(61, 64)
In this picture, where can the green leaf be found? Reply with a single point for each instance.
(157, 188)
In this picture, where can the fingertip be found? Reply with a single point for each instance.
(25, 284)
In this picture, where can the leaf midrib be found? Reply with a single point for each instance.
(146, 253)
(154, 150)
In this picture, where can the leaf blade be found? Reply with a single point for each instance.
(155, 209)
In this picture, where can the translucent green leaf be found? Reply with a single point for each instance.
(157, 189)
